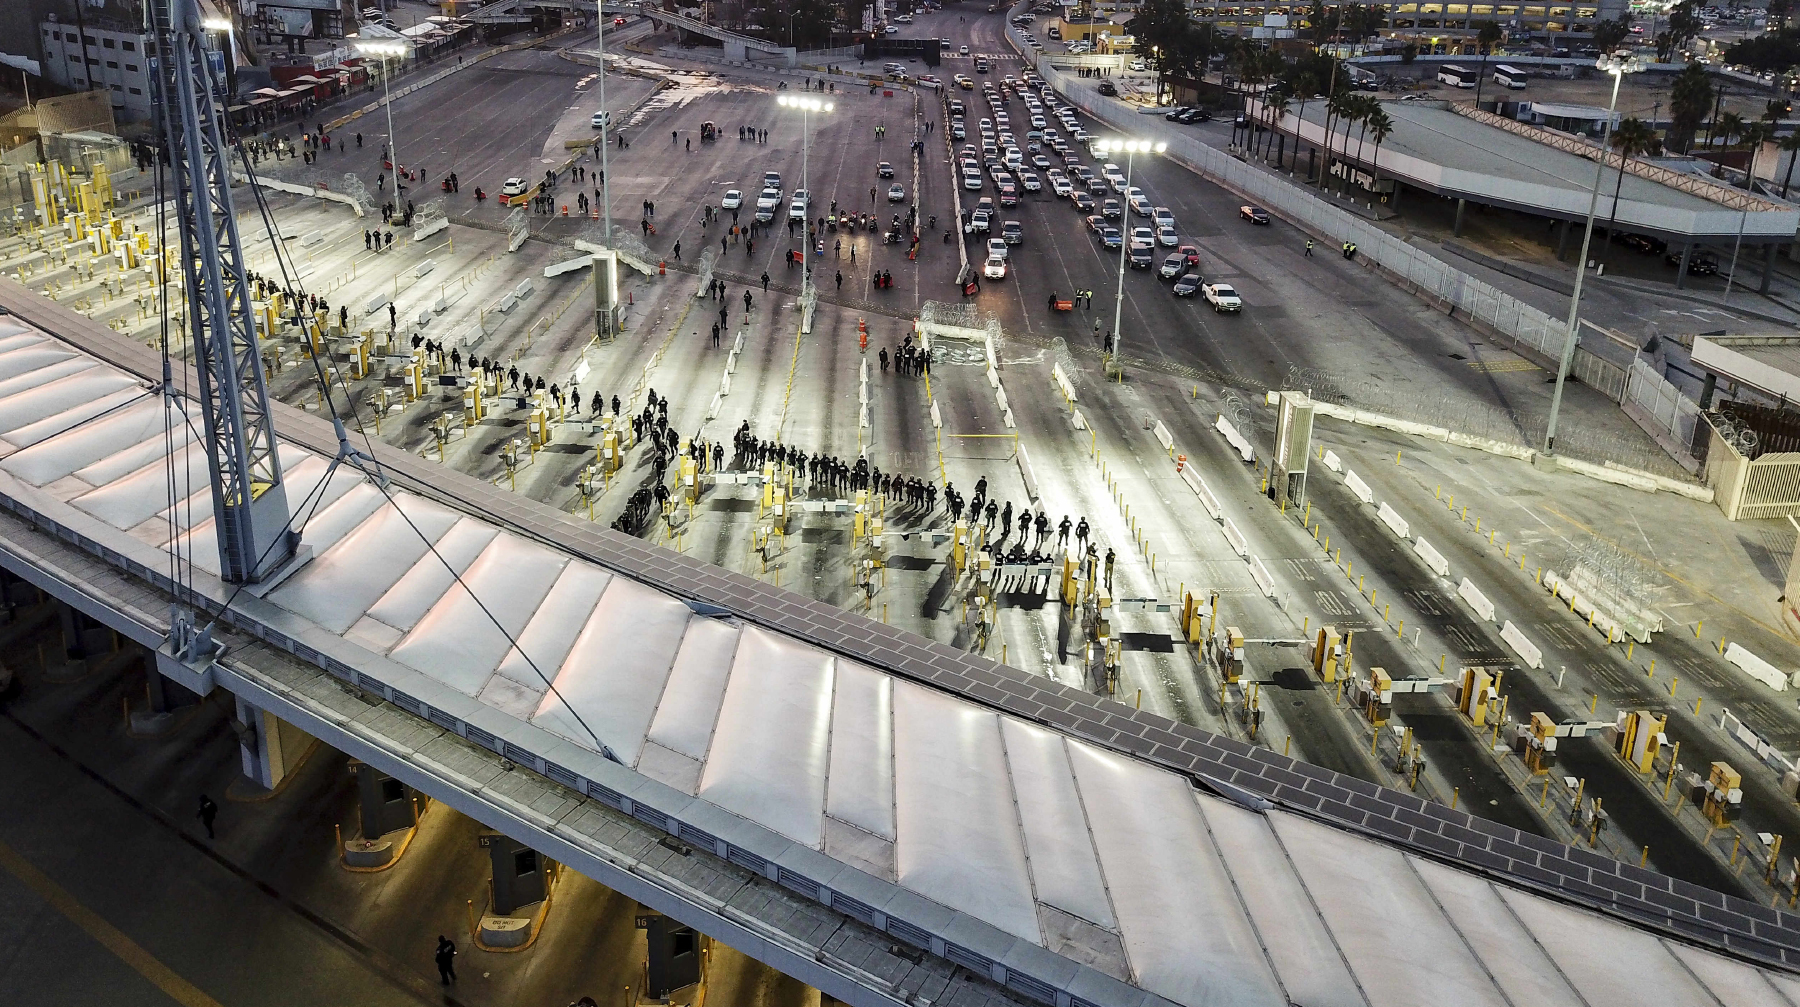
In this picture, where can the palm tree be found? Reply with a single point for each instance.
(1337, 107)
(1755, 134)
(1304, 85)
(1791, 144)
(1277, 109)
(1485, 40)
(1731, 125)
(1633, 137)
(1380, 127)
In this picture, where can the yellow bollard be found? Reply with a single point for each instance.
(1455, 792)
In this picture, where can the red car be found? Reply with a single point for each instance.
(1191, 252)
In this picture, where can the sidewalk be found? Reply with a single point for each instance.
(263, 914)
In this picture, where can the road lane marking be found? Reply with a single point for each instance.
(110, 937)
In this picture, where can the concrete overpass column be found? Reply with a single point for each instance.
(1687, 252)
(1768, 267)
(734, 51)
(1562, 239)
(269, 746)
(790, 57)
(1456, 228)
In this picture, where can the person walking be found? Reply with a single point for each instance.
(678, 251)
(884, 359)
(1110, 556)
(840, 279)
(765, 279)
(1309, 244)
(445, 956)
(209, 812)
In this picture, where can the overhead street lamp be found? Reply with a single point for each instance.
(385, 50)
(1618, 64)
(807, 107)
(1131, 149)
(225, 25)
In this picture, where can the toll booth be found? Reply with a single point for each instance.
(1722, 796)
(1378, 699)
(1478, 695)
(1228, 654)
(1327, 653)
(1538, 743)
(387, 805)
(521, 875)
(1640, 738)
(673, 960)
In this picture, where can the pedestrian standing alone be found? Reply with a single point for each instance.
(208, 812)
(446, 960)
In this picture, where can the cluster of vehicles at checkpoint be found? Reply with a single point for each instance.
(1047, 158)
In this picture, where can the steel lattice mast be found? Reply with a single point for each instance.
(250, 503)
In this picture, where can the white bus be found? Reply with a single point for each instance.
(1510, 76)
(1456, 76)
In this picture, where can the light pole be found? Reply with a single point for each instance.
(226, 25)
(807, 107)
(605, 124)
(384, 50)
(1131, 149)
(1618, 64)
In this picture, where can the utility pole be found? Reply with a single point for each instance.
(250, 508)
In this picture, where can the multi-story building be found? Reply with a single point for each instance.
(103, 55)
(1444, 28)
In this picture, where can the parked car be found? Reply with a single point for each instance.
(1107, 89)
(732, 199)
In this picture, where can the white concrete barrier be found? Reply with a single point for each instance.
(568, 266)
(375, 304)
(1062, 381)
(524, 289)
(1201, 490)
(937, 418)
(1000, 395)
(312, 238)
(1007, 418)
(1235, 439)
(427, 230)
(1391, 517)
(1757, 668)
(1260, 574)
(1026, 473)
(1358, 487)
(1235, 537)
(422, 268)
(1477, 601)
(1333, 462)
(1433, 559)
(1079, 420)
(1526, 650)
(1163, 437)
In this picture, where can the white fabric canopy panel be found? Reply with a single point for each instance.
(1042, 837)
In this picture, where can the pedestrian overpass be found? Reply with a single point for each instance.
(887, 819)
(737, 47)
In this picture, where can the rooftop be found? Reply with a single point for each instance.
(1054, 842)
(1438, 149)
